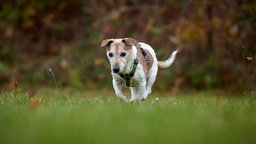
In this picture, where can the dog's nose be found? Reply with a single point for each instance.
(116, 69)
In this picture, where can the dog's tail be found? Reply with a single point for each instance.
(167, 63)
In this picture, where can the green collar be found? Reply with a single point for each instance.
(128, 76)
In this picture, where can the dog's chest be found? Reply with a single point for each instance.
(132, 83)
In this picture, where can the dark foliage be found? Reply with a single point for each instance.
(216, 41)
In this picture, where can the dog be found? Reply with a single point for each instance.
(133, 64)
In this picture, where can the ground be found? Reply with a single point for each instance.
(70, 116)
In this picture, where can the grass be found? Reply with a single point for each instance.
(97, 117)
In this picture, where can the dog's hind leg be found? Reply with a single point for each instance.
(118, 90)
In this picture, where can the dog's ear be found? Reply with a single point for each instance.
(106, 42)
(129, 41)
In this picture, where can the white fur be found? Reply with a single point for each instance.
(143, 84)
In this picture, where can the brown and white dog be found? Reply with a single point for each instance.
(134, 65)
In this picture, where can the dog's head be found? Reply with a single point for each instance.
(119, 52)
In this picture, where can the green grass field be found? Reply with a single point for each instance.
(68, 116)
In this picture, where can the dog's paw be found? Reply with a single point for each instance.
(131, 101)
(156, 100)
(123, 100)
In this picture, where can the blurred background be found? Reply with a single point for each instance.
(216, 39)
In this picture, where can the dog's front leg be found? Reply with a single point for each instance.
(118, 90)
(140, 93)
(133, 94)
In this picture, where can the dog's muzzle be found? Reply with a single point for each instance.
(116, 69)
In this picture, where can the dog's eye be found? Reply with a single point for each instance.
(122, 54)
(110, 55)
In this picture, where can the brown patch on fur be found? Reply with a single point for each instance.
(106, 42)
(117, 47)
(129, 41)
(120, 46)
(128, 48)
(143, 62)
